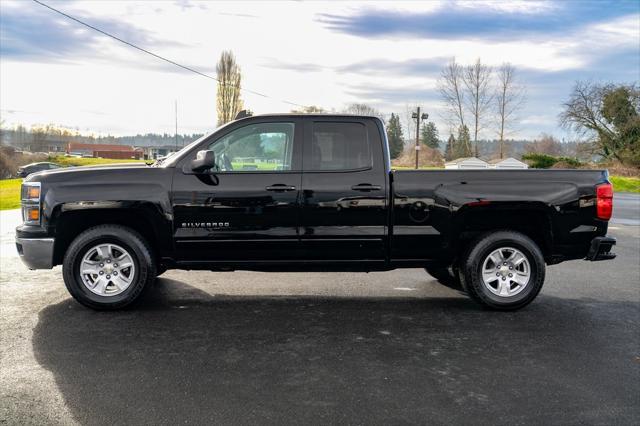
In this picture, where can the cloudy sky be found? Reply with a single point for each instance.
(388, 55)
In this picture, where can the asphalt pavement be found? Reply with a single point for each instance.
(626, 208)
(311, 348)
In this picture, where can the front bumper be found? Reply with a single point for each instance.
(36, 253)
(601, 249)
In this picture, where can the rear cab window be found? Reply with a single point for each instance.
(338, 146)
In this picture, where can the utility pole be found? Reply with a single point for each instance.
(418, 118)
(176, 110)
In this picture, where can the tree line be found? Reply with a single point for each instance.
(39, 138)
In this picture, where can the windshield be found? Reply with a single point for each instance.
(177, 156)
(172, 159)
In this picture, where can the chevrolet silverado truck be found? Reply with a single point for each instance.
(309, 192)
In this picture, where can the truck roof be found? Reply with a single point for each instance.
(321, 115)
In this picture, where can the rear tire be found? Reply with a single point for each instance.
(503, 270)
(107, 267)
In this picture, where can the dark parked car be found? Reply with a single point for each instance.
(25, 171)
(309, 193)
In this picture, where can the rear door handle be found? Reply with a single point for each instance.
(366, 187)
(280, 187)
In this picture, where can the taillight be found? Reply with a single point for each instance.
(604, 201)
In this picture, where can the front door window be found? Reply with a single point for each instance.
(256, 147)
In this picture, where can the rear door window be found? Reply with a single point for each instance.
(339, 146)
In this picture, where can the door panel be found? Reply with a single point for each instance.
(344, 204)
(247, 207)
(235, 217)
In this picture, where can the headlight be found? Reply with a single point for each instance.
(30, 198)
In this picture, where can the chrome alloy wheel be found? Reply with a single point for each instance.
(506, 272)
(107, 269)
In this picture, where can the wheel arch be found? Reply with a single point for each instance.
(70, 220)
(533, 220)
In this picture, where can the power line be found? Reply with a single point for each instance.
(162, 58)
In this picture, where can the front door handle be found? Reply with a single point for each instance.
(366, 187)
(280, 187)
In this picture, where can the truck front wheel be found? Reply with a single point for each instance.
(108, 267)
(503, 270)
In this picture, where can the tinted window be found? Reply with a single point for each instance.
(339, 146)
(263, 146)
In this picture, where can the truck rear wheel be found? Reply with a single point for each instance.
(108, 267)
(503, 270)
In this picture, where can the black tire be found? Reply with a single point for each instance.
(141, 254)
(446, 275)
(472, 263)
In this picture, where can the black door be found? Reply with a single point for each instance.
(344, 207)
(246, 207)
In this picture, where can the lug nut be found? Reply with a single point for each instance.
(505, 263)
(115, 265)
(109, 276)
(101, 265)
(503, 278)
(115, 273)
(510, 267)
(497, 274)
(101, 272)
(509, 274)
(109, 261)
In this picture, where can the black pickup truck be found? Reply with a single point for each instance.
(309, 192)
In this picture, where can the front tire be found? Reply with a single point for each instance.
(503, 270)
(107, 267)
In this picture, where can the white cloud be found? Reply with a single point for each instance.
(284, 50)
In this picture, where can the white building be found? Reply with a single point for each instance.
(466, 163)
(507, 163)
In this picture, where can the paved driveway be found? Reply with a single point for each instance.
(626, 208)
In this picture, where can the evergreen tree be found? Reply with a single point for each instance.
(448, 151)
(462, 148)
(429, 135)
(394, 136)
(228, 101)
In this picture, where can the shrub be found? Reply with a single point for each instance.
(544, 161)
(539, 161)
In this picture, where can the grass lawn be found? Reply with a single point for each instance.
(625, 184)
(75, 161)
(237, 165)
(10, 194)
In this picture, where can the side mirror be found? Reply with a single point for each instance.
(204, 160)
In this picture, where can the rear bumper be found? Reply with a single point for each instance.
(601, 249)
(36, 253)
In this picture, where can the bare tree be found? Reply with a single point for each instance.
(228, 96)
(510, 98)
(477, 79)
(363, 109)
(545, 144)
(312, 109)
(607, 115)
(451, 87)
